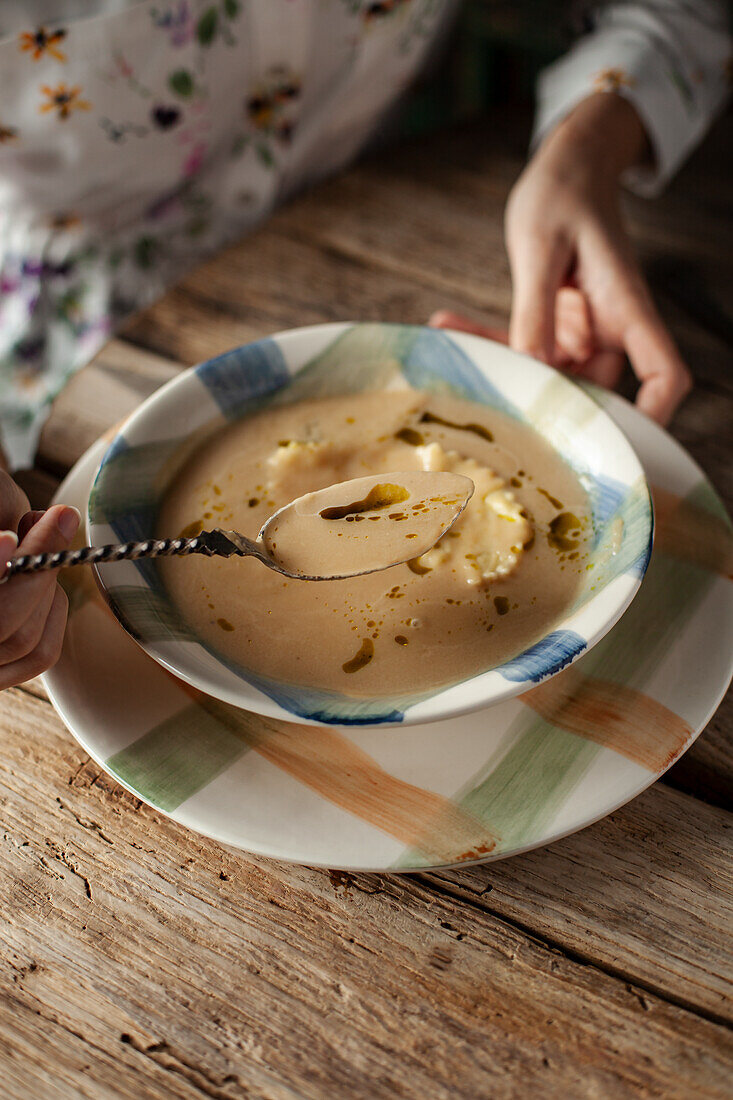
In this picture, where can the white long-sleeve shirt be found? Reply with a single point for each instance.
(138, 136)
(672, 59)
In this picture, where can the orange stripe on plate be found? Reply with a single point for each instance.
(339, 771)
(610, 714)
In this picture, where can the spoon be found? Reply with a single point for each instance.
(355, 527)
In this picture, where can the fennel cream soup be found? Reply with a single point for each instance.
(507, 570)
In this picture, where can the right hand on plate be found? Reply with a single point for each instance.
(580, 301)
(33, 608)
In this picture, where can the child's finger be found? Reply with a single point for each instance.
(8, 546)
(13, 502)
(47, 652)
(28, 635)
(19, 596)
(604, 368)
(665, 380)
(636, 327)
(539, 267)
(28, 521)
(53, 531)
(573, 327)
(445, 318)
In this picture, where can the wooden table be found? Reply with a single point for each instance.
(140, 960)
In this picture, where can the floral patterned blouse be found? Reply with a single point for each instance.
(138, 136)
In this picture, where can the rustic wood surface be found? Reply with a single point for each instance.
(141, 960)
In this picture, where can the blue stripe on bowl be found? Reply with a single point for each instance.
(640, 564)
(368, 356)
(126, 492)
(117, 447)
(432, 357)
(321, 706)
(606, 496)
(547, 656)
(239, 379)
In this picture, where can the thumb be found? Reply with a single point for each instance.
(53, 531)
(538, 270)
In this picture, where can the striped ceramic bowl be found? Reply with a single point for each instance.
(335, 359)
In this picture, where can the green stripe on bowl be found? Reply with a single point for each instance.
(559, 403)
(147, 613)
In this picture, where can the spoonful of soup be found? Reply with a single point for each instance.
(364, 525)
(355, 527)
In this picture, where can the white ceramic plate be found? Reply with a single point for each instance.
(479, 787)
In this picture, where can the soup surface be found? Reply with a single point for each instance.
(507, 570)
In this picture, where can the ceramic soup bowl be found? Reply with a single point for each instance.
(334, 359)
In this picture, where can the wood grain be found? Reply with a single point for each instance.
(706, 770)
(158, 953)
(101, 395)
(647, 894)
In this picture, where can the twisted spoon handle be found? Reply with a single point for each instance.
(208, 542)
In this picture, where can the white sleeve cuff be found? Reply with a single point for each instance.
(675, 102)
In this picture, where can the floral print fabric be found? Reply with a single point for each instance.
(138, 136)
(137, 141)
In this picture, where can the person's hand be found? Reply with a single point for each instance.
(580, 301)
(33, 608)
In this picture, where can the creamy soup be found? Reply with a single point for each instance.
(510, 566)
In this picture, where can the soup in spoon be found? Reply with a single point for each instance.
(364, 525)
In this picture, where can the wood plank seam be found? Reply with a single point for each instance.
(369, 260)
(147, 1052)
(633, 983)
